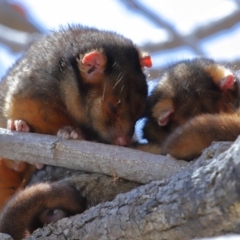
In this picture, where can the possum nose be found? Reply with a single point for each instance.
(122, 141)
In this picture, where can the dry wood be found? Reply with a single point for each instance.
(126, 163)
(4, 236)
(202, 201)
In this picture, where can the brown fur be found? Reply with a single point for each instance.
(40, 199)
(44, 119)
(201, 98)
(78, 77)
(189, 140)
(81, 77)
(12, 177)
(54, 193)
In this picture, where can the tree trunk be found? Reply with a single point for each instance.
(201, 201)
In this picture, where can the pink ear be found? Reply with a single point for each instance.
(92, 65)
(227, 82)
(164, 117)
(146, 61)
(93, 60)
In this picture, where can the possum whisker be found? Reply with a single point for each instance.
(104, 89)
(120, 77)
(119, 101)
(121, 90)
(114, 64)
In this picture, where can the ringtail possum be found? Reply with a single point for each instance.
(53, 193)
(194, 103)
(85, 78)
(78, 82)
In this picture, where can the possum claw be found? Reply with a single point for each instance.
(70, 133)
(18, 125)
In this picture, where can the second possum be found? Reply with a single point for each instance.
(196, 102)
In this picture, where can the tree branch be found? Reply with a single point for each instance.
(126, 163)
(190, 40)
(15, 39)
(201, 201)
(199, 33)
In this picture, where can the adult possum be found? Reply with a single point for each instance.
(79, 82)
(81, 77)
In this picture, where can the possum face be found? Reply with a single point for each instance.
(188, 89)
(116, 96)
(116, 111)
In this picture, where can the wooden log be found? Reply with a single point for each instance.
(130, 164)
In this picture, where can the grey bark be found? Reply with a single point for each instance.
(130, 164)
(4, 236)
(201, 201)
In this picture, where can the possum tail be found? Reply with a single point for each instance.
(37, 205)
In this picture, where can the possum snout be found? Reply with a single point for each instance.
(122, 141)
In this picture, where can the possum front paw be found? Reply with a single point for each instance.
(18, 125)
(69, 132)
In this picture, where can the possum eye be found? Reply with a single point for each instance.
(112, 108)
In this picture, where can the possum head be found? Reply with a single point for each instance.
(115, 88)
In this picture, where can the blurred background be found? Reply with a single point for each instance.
(169, 30)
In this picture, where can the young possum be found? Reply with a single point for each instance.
(54, 193)
(79, 82)
(194, 103)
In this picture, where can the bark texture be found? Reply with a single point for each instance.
(201, 201)
(111, 160)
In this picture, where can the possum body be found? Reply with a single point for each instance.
(78, 82)
(194, 103)
(80, 77)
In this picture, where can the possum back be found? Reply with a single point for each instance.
(196, 102)
(187, 89)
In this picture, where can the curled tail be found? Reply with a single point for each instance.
(188, 141)
(37, 205)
